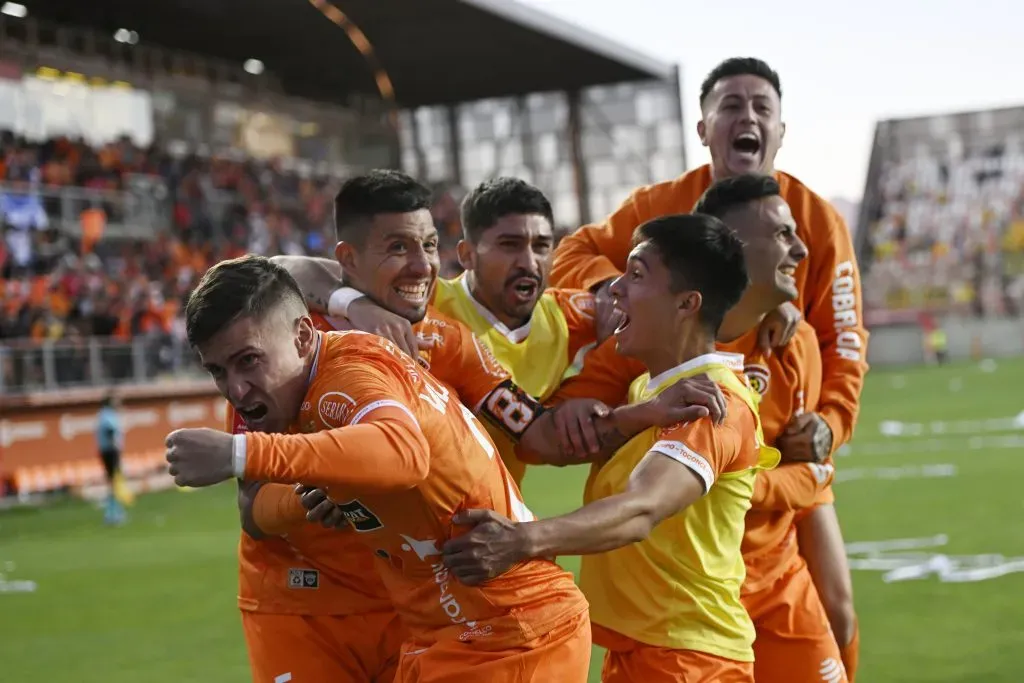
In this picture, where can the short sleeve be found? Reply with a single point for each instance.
(705, 448)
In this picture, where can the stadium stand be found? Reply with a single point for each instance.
(229, 142)
(942, 222)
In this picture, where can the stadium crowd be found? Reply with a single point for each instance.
(948, 232)
(59, 287)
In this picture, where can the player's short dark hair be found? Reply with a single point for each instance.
(702, 253)
(245, 287)
(740, 66)
(736, 192)
(492, 200)
(378, 191)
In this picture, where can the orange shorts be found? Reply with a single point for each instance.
(357, 648)
(629, 661)
(559, 656)
(794, 640)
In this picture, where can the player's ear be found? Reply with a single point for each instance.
(701, 132)
(689, 302)
(782, 133)
(305, 336)
(467, 256)
(345, 254)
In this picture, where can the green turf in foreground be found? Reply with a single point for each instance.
(154, 601)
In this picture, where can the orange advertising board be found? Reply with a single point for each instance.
(44, 447)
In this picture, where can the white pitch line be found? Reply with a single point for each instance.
(896, 428)
(902, 447)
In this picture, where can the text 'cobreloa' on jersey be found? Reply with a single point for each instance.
(401, 455)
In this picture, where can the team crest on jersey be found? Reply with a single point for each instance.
(360, 516)
(303, 578)
(758, 376)
(583, 303)
(335, 408)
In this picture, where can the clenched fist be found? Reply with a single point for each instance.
(199, 457)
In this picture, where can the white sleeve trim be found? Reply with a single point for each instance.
(688, 457)
(383, 403)
(239, 452)
(341, 299)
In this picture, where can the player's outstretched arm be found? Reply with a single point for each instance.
(385, 452)
(659, 488)
(792, 487)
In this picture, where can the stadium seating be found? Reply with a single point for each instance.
(62, 283)
(945, 228)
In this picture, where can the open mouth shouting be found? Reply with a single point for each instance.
(746, 149)
(254, 415)
(524, 290)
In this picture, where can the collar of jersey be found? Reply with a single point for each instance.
(515, 336)
(733, 361)
(320, 341)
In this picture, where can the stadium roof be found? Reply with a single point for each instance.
(433, 51)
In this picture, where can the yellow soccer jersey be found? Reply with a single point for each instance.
(540, 354)
(680, 588)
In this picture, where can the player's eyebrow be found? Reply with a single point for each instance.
(242, 351)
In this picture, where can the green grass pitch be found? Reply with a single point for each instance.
(155, 600)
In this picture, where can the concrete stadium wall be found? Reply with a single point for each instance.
(966, 337)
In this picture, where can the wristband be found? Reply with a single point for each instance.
(238, 455)
(341, 299)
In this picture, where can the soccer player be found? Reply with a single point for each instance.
(387, 254)
(662, 527)
(388, 245)
(741, 104)
(794, 641)
(398, 453)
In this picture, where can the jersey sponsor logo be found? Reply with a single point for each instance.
(423, 549)
(759, 377)
(583, 303)
(844, 312)
(303, 578)
(335, 408)
(831, 670)
(511, 408)
(360, 516)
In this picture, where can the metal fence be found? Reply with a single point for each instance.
(140, 211)
(27, 366)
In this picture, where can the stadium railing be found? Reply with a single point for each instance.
(28, 366)
(52, 393)
(139, 211)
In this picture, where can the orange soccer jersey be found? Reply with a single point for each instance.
(789, 383)
(794, 641)
(401, 456)
(829, 280)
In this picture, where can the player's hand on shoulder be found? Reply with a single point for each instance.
(367, 316)
(778, 327)
(688, 400)
(320, 509)
(807, 438)
(199, 457)
(492, 547)
(607, 318)
(578, 438)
